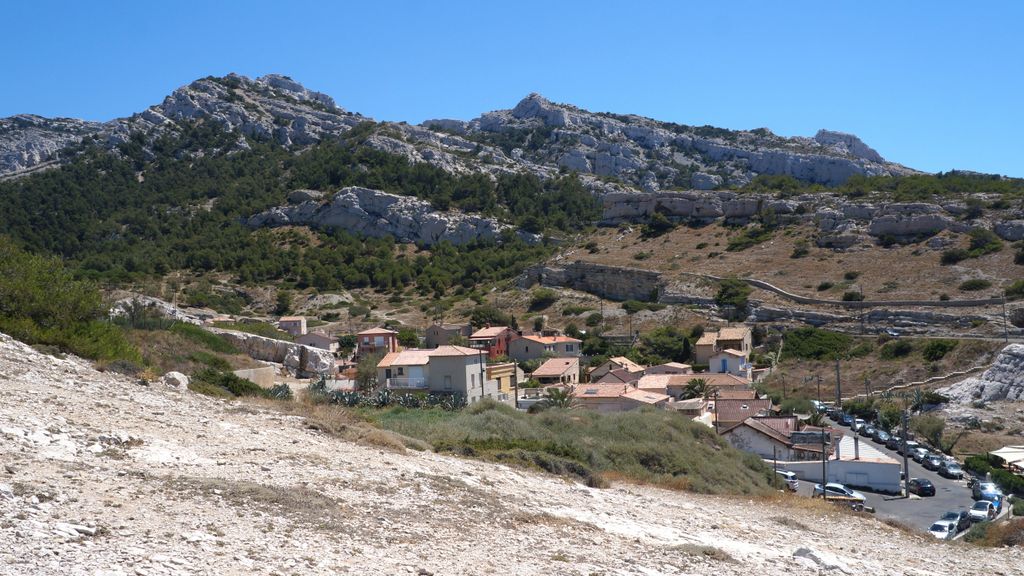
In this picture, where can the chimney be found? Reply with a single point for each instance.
(856, 448)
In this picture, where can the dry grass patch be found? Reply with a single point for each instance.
(297, 503)
(704, 551)
(341, 423)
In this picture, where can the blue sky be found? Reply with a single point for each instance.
(933, 85)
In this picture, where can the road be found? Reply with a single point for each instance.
(916, 512)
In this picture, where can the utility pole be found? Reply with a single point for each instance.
(716, 410)
(775, 462)
(483, 368)
(839, 385)
(906, 471)
(824, 453)
(867, 387)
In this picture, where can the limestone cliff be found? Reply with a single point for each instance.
(1003, 381)
(376, 213)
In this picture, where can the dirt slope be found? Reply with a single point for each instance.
(102, 476)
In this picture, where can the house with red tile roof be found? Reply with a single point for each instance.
(493, 340)
(777, 438)
(555, 371)
(617, 363)
(376, 341)
(731, 337)
(531, 347)
(445, 369)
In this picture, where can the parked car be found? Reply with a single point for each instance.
(961, 518)
(982, 511)
(837, 490)
(858, 423)
(880, 436)
(950, 469)
(867, 430)
(986, 491)
(846, 419)
(919, 454)
(893, 443)
(892, 332)
(933, 462)
(921, 487)
(789, 478)
(943, 529)
(909, 449)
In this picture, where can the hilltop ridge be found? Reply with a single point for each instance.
(536, 136)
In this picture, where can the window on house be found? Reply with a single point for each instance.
(447, 382)
(401, 371)
(568, 348)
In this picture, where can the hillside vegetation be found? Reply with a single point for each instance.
(641, 446)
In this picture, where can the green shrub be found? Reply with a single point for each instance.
(953, 255)
(634, 306)
(542, 298)
(733, 292)
(594, 319)
(210, 380)
(215, 362)
(257, 328)
(936, 350)
(574, 310)
(657, 225)
(825, 286)
(852, 296)
(42, 303)
(208, 340)
(974, 284)
(1015, 291)
(851, 275)
(816, 344)
(895, 349)
(642, 445)
(748, 237)
(983, 242)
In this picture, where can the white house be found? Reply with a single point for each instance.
(318, 340)
(446, 369)
(669, 368)
(294, 325)
(731, 361)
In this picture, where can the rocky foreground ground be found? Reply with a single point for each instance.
(100, 475)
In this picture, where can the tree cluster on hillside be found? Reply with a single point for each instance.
(42, 303)
(121, 218)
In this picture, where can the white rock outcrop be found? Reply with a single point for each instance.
(302, 360)
(175, 380)
(377, 213)
(1003, 381)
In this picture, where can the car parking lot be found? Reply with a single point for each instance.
(917, 512)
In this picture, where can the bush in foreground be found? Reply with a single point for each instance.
(642, 446)
(42, 304)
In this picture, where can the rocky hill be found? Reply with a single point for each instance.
(270, 107)
(536, 136)
(1003, 381)
(102, 475)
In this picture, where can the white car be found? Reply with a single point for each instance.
(837, 490)
(982, 511)
(858, 423)
(943, 529)
(789, 478)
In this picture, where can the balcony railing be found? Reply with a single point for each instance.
(407, 383)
